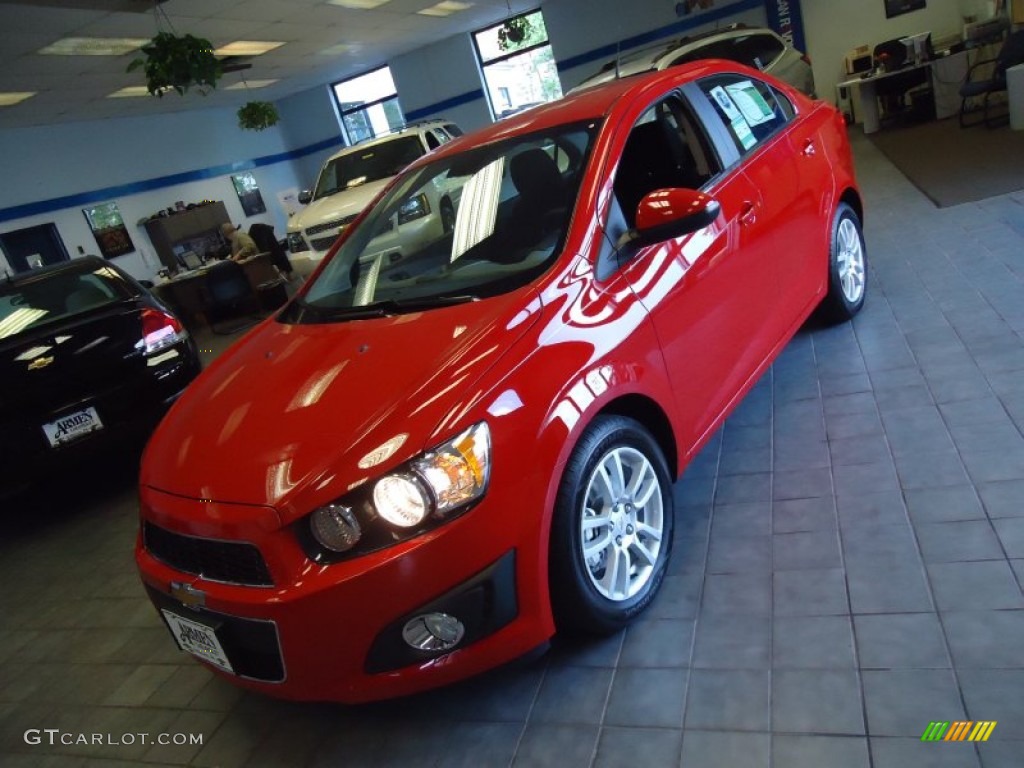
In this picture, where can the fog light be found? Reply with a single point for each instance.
(433, 632)
(336, 528)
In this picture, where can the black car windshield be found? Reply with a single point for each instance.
(53, 295)
(468, 226)
(372, 163)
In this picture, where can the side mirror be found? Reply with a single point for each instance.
(305, 196)
(666, 214)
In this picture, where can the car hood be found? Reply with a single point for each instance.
(337, 206)
(293, 409)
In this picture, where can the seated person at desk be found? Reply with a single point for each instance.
(242, 246)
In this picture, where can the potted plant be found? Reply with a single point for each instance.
(257, 115)
(173, 62)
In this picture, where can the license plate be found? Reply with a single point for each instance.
(198, 639)
(72, 427)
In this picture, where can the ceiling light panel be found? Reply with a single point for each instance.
(94, 46)
(131, 91)
(250, 84)
(445, 8)
(10, 98)
(247, 48)
(359, 4)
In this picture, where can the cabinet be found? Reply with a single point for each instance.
(196, 230)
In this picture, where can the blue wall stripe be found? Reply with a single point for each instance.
(441, 106)
(604, 52)
(135, 187)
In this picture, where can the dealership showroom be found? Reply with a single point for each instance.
(727, 296)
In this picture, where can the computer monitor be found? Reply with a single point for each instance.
(919, 47)
(190, 260)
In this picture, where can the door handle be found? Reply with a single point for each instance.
(748, 213)
(808, 149)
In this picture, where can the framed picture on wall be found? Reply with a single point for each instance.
(899, 7)
(108, 228)
(248, 192)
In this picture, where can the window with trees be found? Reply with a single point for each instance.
(518, 64)
(368, 105)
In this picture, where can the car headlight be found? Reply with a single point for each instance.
(413, 208)
(295, 243)
(431, 489)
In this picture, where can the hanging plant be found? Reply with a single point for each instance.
(513, 32)
(178, 63)
(257, 115)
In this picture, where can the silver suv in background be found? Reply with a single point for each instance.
(351, 178)
(756, 47)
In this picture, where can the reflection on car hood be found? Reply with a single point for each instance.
(294, 408)
(337, 206)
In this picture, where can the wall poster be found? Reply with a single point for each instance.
(108, 228)
(248, 192)
(899, 7)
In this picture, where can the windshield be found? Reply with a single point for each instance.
(469, 226)
(53, 296)
(374, 162)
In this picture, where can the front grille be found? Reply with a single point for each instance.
(323, 243)
(234, 562)
(336, 224)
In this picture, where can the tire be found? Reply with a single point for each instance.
(596, 503)
(847, 268)
(447, 216)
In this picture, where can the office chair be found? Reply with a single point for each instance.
(265, 239)
(1010, 55)
(892, 91)
(230, 297)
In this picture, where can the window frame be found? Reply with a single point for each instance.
(364, 106)
(483, 65)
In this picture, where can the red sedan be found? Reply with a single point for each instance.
(430, 461)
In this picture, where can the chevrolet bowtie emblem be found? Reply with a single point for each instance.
(40, 362)
(188, 595)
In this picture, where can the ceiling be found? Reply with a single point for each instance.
(74, 88)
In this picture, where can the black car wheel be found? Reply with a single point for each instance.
(612, 529)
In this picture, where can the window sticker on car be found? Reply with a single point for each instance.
(750, 102)
(737, 122)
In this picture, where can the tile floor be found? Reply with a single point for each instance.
(848, 568)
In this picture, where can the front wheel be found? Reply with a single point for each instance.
(612, 529)
(847, 273)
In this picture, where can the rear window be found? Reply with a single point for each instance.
(371, 163)
(759, 51)
(54, 296)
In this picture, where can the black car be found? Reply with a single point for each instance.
(89, 359)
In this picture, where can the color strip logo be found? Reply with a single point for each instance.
(959, 730)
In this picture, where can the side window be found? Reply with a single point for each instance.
(752, 110)
(453, 130)
(666, 148)
(432, 142)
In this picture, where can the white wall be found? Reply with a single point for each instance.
(438, 72)
(50, 162)
(834, 27)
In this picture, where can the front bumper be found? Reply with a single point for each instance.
(338, 628)
(129, 411)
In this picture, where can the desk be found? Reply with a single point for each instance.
(186, 293)
(946, 72)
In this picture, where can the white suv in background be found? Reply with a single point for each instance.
(351, 178)
(754, 46)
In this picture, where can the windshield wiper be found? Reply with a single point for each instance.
(395, 306)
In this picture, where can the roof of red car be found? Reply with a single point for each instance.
(587, 104)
